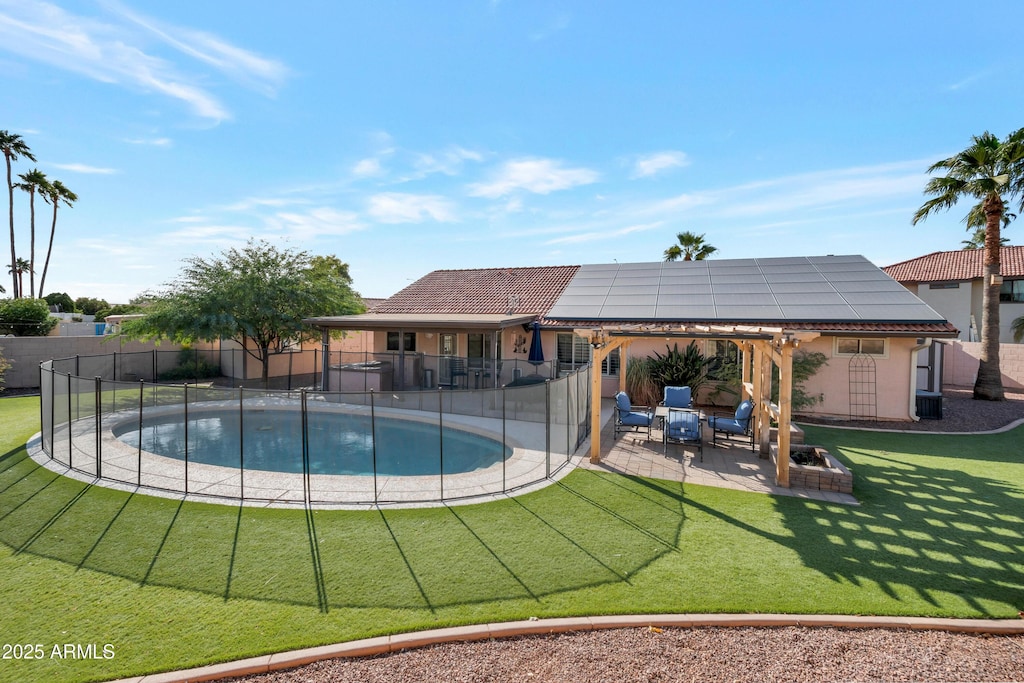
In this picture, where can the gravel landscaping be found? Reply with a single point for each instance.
(706, 654)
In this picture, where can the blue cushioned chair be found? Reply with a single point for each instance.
(676, 397)
(631, 418)
(739, 423)
(683, 426)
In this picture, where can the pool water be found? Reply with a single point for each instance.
(339, 443)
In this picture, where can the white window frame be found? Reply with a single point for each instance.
(860, 344)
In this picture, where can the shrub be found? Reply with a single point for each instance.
(805, 365)
(679, 368)
(641, 386)
(191, 366)
(5, 365)
(26, 318)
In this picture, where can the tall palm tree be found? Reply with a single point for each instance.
(18, 270)
(691, 247)
(32, 182)
(990, 171)
(55, 193)
(977, 240)
(13, 147)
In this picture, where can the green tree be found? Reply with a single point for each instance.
(89, 305)
(62, 299)
(25, 317)
(691, 247)
(977, 240)
(991, 172)
(1017, 328)
(56, 192)
(257, 296)
(34, 182)
(13, 147)
(17, 269)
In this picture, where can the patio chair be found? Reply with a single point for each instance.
(739, 423)
(676, 397)
(631, 418)
(683, 426)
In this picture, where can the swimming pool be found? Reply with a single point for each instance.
(339, 443)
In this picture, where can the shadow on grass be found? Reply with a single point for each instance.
(931, 527)
(595, 530)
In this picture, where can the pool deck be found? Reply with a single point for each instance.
(731, 465)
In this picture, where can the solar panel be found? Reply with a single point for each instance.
(842, 288)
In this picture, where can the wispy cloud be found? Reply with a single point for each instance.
(112, 51)
(652, 164)
(556, 24)
(970, 80)
(85, 168)
(448, 161)
(154, 142)
(368, 168)
(398, 207)
(605, 234)
(540, 176)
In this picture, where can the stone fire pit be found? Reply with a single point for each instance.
(830, 476)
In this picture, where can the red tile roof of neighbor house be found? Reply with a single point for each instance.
(947, 266)
(482, 290)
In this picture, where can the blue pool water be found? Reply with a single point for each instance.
(339, 443)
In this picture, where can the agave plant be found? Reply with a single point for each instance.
(680, 368)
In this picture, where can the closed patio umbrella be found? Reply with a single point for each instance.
(536, 350)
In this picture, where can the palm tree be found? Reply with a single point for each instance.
(56, 192)
(691, 247)
(32, 182)
(977, 240)
(18, 270)
(987, 171)
(13, 147)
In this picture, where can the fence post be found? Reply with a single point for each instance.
(440, 437)
(241, 442)
(142, 387)
(373, 443)
(71, 435)
(99, 426)
(305, 449)
(185, 388)
(504, 441)
(547, 427)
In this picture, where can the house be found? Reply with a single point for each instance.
(472, 328)
(951, 282)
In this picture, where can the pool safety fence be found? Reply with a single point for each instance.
(305, 369)
(307, 446)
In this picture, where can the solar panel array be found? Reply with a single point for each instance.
(792, 289)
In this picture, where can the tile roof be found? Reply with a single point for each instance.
(960, 265)
(531, 290)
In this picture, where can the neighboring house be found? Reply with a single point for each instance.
(481, 320)
(951, 283)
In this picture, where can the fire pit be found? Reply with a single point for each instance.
(813, 467)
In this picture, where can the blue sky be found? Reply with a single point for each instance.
(405, 137)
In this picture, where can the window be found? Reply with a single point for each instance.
(410, 341)
(478, 349)
(446, 344)
(574, 352)
(944, 285)
(1012, 291)
(722, 360)
(848, 346)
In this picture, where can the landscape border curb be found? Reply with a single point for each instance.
(416, 639)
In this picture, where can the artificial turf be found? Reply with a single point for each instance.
(171, 585)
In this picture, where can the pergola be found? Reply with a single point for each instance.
(761, 347)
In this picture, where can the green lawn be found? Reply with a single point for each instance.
(173, 585)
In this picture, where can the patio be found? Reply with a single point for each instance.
(731, 465)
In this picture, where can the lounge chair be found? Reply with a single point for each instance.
(631, 418)
(683, 426)
(739, 423)
(676, 397)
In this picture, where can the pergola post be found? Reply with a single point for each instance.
(623, 361)
(785, 413)
(764, 397)
(602, 346)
